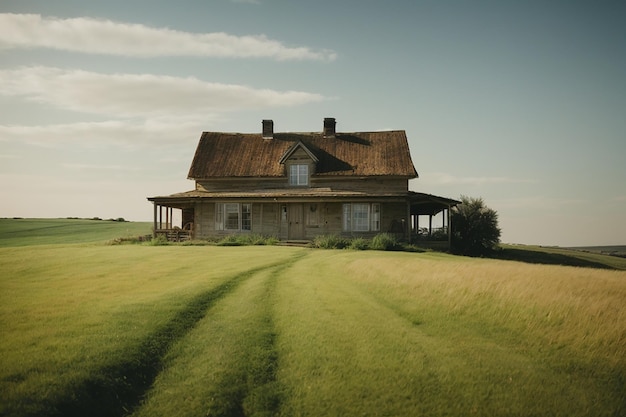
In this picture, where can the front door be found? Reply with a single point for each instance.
(296, 224)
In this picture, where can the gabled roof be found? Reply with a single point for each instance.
(298, 145)
(223, 155)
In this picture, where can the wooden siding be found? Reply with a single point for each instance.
(204, 220)
(265, 219)
(371, 185)
(318, 219)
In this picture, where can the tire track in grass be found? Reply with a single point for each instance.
(251, 387)
(118, 389)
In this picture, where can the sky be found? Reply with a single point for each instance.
(520, 103)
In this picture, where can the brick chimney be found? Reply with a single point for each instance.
(329, 127)
(268, 129)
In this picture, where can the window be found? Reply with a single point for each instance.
(233, 216)
(361, 217)
(299, 174)
(246, 217)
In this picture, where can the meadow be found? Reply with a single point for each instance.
(115, 330)
(29, 232)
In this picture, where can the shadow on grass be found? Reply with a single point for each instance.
(117, 390)
(546, 258)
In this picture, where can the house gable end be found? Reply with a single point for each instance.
(298, 151)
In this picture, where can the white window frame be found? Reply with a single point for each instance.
(361, 217)
(299, 175)
(240, 219)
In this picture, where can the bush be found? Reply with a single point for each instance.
(384, 241)
(230, 240)
(160, 240)
(246, 240)
(359, 244)
(475, 228)
(330, 242)
(130, 240)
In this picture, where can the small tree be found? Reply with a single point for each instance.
(475, 228)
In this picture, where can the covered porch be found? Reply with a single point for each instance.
(319, 211)
(430, 220)
(173, 218)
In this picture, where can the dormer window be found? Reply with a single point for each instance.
(299, 175)
(299, 164)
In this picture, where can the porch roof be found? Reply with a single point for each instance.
(428, 204)
(269, 194)
(420, 203)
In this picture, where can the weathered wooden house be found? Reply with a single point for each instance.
(296, 186)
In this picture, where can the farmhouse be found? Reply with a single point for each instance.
(296, 186)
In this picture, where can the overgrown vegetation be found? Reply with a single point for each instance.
(330, 242)
(382, 241)
(246, 240)
(475, 228)
(249, 239)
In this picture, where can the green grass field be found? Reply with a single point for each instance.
(103, 330)
(28, 232)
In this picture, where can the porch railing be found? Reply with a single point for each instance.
(435, 234)
(174, 235)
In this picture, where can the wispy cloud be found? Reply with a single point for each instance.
(117, 133)
(92, 36)
(440, 178)
(139, 95)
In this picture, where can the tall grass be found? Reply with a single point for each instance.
(281, 331)
(434, 334)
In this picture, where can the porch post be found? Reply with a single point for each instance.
(154, 227)
(430, 225)
(408, 220)
(449, 229)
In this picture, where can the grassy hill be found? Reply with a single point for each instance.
(561, 256)
(26, 232)
(139, 330)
